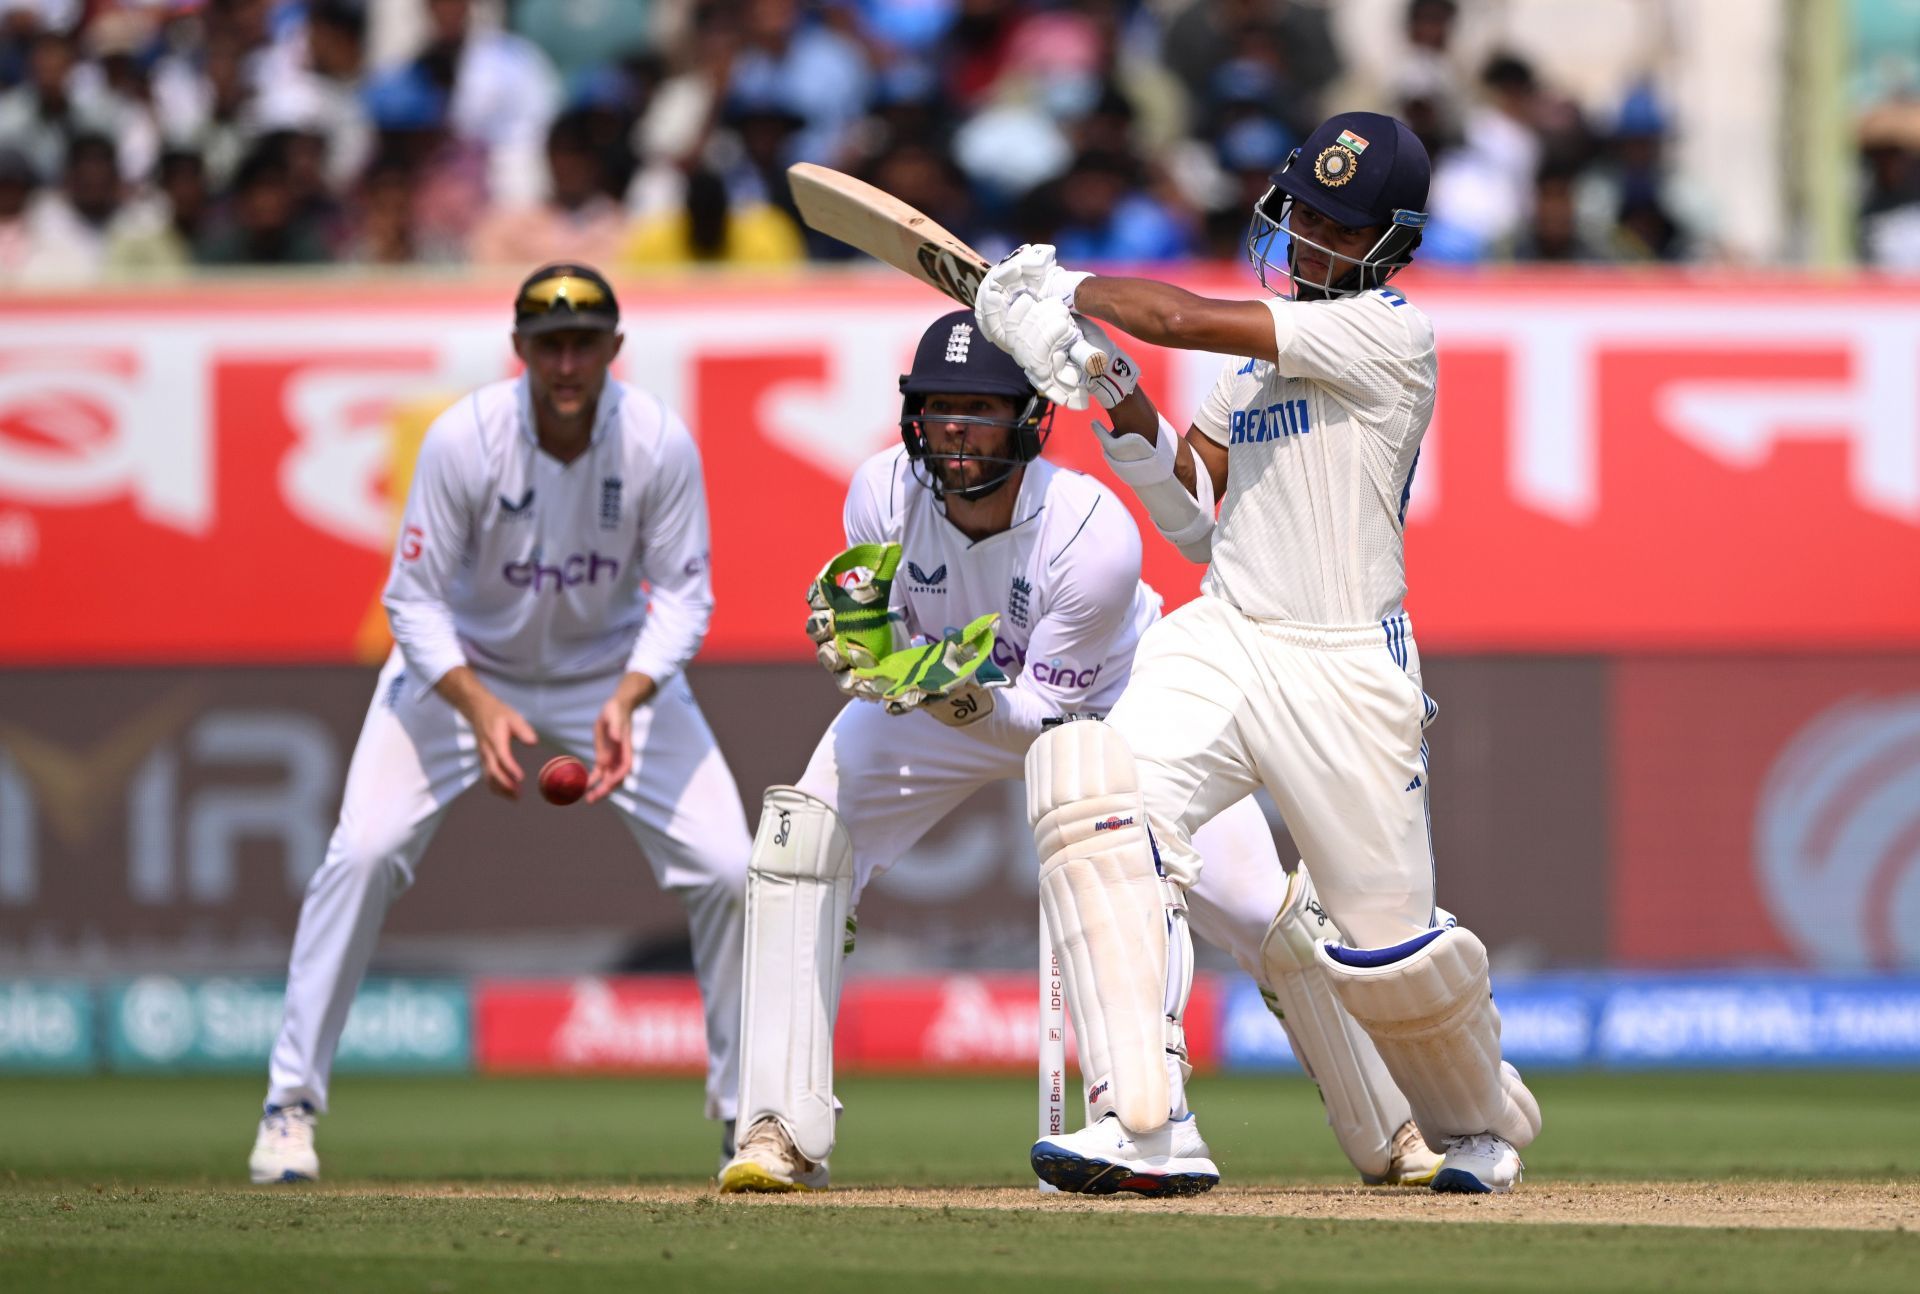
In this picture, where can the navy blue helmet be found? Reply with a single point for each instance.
(955, 358)
(1358, 169)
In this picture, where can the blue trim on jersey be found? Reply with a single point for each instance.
(1369, 958)
(1393, 298)
(1406, 490)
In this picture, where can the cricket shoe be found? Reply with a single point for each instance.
(1103, 1158)
(1413, 1163)
(283, 1150)
(768, 1161)
(1482, 1164)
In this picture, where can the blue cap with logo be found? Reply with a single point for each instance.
(1359, 169)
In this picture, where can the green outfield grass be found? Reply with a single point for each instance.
(139, 1184)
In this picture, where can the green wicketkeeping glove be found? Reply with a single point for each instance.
(851, 624)
(949, 678)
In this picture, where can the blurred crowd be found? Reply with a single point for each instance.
(143, 136)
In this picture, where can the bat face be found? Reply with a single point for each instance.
(957, 276)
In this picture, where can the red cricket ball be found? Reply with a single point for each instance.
(563, 779)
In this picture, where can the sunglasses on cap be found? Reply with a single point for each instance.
(566, 298)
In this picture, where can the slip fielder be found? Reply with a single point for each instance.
(962, 524)
(1296, 670)
(539, 509)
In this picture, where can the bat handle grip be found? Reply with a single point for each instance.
(1088, 358)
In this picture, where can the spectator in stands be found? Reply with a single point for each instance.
(501, 91)
(1101, 210)
(314, 81)
(1553, 234)
(39, 116)
(1639, 205)
(790, 59)
(158, 233)
(116, 90)
(1482, 192)
(67, 226)
(383, 225)
(1295, 38)
(577, 222)
(262, 223)
(710, 229)
(447, 175)
(204, 102)
(17, 184)
(677, 123)
(1889, 229)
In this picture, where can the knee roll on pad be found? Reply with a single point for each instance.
(1428, 1007)
(799, 901)
(1364, 1107)
(1105, 906)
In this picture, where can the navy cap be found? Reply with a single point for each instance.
(1358, 168)
(955, 356)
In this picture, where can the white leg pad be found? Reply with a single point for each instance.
(1104, 900)
(1429, 1009)
(799, 897)
(1364, 1107)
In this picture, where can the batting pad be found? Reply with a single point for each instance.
(1103, 899)
(1428, 1007)
(799, 894)
(1364, 1108)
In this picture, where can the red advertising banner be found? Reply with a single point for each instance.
(1616, 463)
(1767, 813)
(652, 1024)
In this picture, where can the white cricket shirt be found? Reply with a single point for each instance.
(1065, 578)
(1321, 450)
(515, 563)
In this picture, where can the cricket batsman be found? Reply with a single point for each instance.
(550, 583)
(1296, 670)
(1016, 585)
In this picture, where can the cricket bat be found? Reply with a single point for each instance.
(889, 230)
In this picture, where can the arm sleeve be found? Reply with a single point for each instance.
(675, 562)
(434, 532)
(1216, 411)
(1095, 580)
(1325, 341)
(870, 516)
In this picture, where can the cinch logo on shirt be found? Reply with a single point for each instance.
(1062, 673)
(580, 568)
(1251, 426)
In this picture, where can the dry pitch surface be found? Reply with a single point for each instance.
(1819, 1206)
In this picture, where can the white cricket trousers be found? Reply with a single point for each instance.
(416, 755)
(1329, 720)
(893, 777)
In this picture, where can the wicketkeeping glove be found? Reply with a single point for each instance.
(851, 623)
(950, 679)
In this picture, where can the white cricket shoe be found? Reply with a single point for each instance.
(283, 1150)
(1104, 1158)
(1413, 1164)
(1482, 1164)
(768, 1161)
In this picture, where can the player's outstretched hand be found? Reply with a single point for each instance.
(612, 748)
(496, 726)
